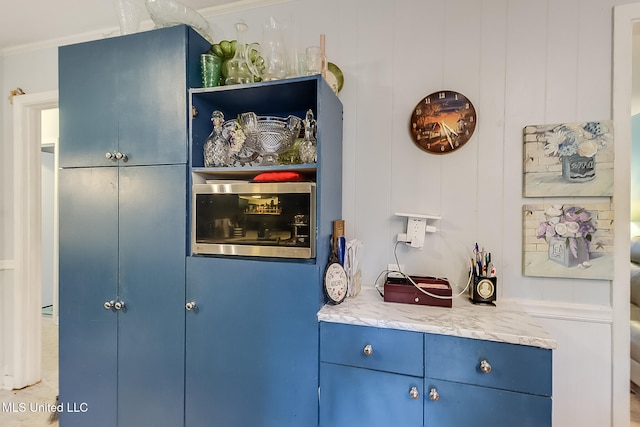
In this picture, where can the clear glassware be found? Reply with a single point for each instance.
(309, 146)
(240, 69)
(269, 135)
(274, 51)
(216, 147)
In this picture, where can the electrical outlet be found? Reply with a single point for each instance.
(395, 267)
(393, 270)
(416, 228)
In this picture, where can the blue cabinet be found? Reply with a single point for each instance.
(123, 226)
(251, 327)
(461, 405)
(128, 95)
(379, 377)
(471, 382)
(357, 397)
(88, 276)
(370, 376)
(250, 344)
(118, 237)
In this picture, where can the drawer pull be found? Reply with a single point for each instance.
(368, 350)
(485, 366)
(434, 395)
(414, 393)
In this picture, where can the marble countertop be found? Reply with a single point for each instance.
(502, 323)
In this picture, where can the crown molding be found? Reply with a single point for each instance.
(208, 12)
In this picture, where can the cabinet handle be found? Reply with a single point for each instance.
(434, 395)
(414, 393)
(110, 156)
(119, 305)
(190, 306)
(108, 305)
(485, 366)
(121, 156)
(368, 350)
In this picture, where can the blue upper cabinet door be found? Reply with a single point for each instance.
(152, 96)
(88, 278)
(152, 286)
(88, 108)
(127, 95)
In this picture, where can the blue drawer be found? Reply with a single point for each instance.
(512, 367)
(391, 350)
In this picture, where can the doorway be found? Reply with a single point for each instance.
(24, 311)
(49, 195)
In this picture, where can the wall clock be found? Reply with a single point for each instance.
(442, 122)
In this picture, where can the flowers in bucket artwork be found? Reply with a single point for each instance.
(583, 139)
(567, 223)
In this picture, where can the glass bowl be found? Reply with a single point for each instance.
(270, 135)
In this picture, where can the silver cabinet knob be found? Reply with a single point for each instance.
(434, 395)
(110, 156)
(485, 366)
(368, 350)
(191, 305)
(121, 156)
(108, 305)
(119, 305)
(414, 393)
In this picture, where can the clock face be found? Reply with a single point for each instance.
(485, 289)
(335, 283)
(442, 122)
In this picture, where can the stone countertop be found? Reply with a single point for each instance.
(506, 323)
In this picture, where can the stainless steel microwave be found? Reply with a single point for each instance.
(262, 219)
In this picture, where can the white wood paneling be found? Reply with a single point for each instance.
(582, 374)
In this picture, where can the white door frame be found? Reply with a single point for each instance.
(624, 18)
(26, 310)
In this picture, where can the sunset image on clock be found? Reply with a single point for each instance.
(442, 122)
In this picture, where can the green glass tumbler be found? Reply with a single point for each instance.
(210, 68)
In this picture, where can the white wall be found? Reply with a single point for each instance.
(3, 233)
(521, 62)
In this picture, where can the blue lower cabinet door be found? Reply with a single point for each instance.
(361, 397)
(152, 224)
(88, 200)
(449, 404)
(251, 343)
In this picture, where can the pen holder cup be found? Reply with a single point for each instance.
(483, 289)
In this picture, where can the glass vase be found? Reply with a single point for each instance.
(216, 147)
(308, 147)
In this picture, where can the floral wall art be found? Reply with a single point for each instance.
(570, 159)
(570, 240)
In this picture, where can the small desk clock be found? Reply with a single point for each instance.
(483, 290)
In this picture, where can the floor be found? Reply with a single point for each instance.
(31, 406)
